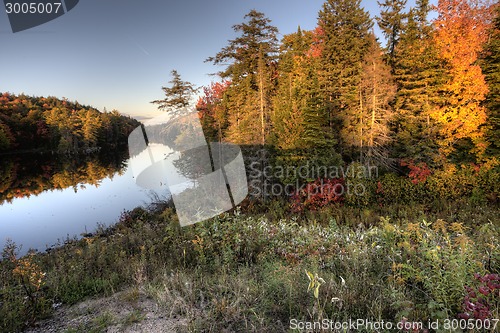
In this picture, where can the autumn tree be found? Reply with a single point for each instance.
(91, 123)
(377, 90)
(65, 128)
(49, 123)
(250, 61)
(213, 111)
(460, 35)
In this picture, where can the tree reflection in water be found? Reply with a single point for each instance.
(26, 175)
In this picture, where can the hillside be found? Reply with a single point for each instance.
(29, 123)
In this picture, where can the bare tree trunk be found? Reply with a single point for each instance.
(262, 120)
(260, 69)
(374, 108)
(360, 125)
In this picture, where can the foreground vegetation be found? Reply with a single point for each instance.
(250, 269)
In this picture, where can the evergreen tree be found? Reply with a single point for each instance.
(391, 21)
(289, 102)
(5, 137)
(300, 122)
(418, 74)
(345, 41)
(250, 61)
(178, 96)
(491, 69)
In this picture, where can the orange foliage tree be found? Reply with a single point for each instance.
(461, 28)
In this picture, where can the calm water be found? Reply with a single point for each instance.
(47, 199)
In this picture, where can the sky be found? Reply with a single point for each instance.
(117, 54)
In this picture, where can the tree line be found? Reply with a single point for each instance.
(30, 123)
(333, 94)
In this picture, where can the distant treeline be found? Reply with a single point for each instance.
(30, 123)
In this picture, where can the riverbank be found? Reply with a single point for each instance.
(246, 270)
(72, 153)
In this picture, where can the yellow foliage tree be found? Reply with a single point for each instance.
(460, 34)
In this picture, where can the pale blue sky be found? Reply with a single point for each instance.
(118, 53)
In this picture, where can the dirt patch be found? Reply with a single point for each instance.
(127, 311)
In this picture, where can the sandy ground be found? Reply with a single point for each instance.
(126, 311)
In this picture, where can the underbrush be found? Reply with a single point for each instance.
(251, 272)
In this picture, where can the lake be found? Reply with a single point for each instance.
(45, 199)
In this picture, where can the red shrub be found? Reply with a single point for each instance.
(478, 301)
(318, 194)
(418, 172)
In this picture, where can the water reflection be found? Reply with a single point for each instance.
(45, 198)
(27, 175)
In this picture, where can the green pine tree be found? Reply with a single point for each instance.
(5, 141)
(418, 74)
(178, 96)
(346, 29)
(491, 68)
(290, 99)
(391, 21)
(250, 65)
(300, 121)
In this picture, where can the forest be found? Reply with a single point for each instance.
(333, 94)
(49, 124)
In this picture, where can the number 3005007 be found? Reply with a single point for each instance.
(32, 8)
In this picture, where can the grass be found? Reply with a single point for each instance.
(133, 317)
(246, 271)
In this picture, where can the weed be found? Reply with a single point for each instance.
(133, 317)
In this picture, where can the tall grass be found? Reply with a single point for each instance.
(247, 271)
